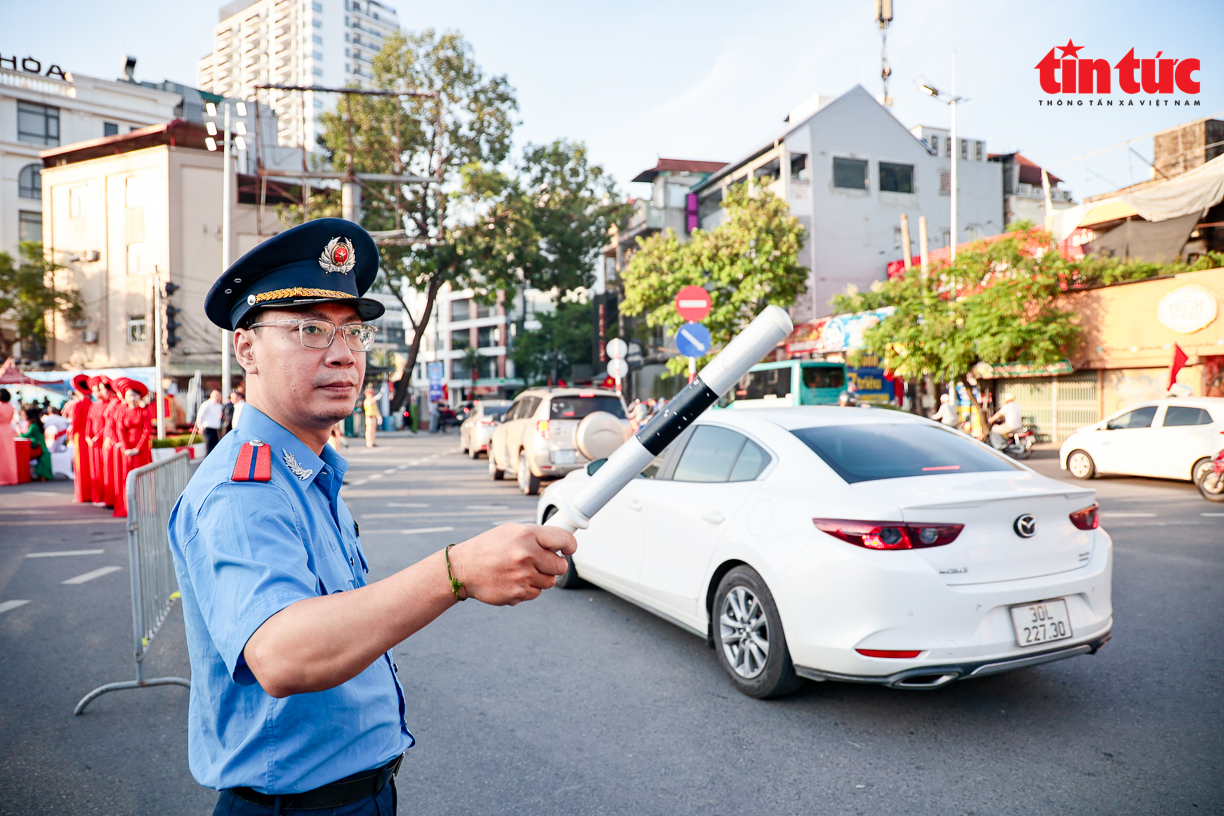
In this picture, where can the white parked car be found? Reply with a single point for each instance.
(477, 430)
(1167, 439)
(840, 544)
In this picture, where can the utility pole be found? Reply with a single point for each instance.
(955, 158)
(158, 305)
(883, 16)
(225, 248)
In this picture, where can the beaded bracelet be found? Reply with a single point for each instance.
(455, 583)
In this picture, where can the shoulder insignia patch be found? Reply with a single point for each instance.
(254, 463)
(291, 462)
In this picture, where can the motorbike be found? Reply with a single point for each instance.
(1019, 444)
(1210, 479)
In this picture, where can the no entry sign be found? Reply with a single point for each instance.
(693, 303)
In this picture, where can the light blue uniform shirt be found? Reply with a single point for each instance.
(243, 551)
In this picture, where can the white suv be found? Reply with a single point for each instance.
(536, 438)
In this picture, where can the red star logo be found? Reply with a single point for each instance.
(340, 255)
(1070, 49)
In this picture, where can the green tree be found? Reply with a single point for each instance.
(563, 340)
(746, 263)
(996, 304)
(486, 223)
(28, 292)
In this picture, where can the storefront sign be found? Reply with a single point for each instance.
(834, 334)
(986, 371)
(1187, 309)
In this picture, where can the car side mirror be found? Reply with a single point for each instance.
(594, 466)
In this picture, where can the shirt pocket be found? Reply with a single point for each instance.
(334, 572)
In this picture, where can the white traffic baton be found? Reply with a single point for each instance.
(760, 336)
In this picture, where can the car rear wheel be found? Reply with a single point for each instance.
(494, 473)
(1209, 483)
(749, 639)
(570, 579)
(474, 452)
(1081, 465)
(528, 482)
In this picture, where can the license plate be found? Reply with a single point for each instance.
(563, 457)
(1041, 622)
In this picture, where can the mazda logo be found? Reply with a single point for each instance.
(1025, 526)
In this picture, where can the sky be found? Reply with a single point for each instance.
(712, 80)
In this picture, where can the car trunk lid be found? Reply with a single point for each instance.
(990, 506)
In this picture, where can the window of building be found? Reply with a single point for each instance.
(317, 39)
(933, 143)
(799, 169)
(110, 129)
(318, 72)
(348, 53)
(318, 55)
(896, 178)
(459, 309)
(37, 124)
(964, 149)
(770, 170)
(29, 226)
(317, 6)
(317, 23)
(485, 309)
(948, 148)
(136, 259)
(979, 151)
(488, 337)
(346, 34)
(460, 340)
(29, 182)
(137, 329)
(709, 203)
(850, 174)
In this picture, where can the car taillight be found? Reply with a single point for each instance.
(542, 427)
(1086, 519)
(887, 535)
(888, 652)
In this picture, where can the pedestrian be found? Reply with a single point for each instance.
(946, 413)
(296, 703)
(227, 416)
(8, 449)
(372, 416)
(82, 484)
(40, 451)
(1010, 420)
(110, 441)
(640, 411)
(55, 428)
(134, 446)
(434, 413)
(208, 421)
(95, 439)
(239, 399)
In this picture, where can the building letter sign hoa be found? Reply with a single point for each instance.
(1187, 309)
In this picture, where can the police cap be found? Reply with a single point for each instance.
(328, 260)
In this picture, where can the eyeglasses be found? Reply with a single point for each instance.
(319, 334)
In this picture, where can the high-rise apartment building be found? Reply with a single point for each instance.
(329, 43)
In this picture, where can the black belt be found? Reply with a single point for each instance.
(333, 795)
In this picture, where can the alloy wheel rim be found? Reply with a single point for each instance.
(1079, 464)
(744, 631)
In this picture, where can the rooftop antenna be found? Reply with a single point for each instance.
(883, 16)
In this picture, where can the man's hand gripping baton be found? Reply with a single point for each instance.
(768, 329)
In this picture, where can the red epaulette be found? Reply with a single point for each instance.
(254, 463)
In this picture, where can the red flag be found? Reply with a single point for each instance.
(1179, 362)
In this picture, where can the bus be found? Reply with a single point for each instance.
(788, 383)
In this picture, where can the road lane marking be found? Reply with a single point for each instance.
(409, 504)
(1212, 515)
(89, 576)
(1117, 514)
(389, 470)
(374, 476)
(58, 553)
(357, 483)
(487, 507)
(423, 530)
(6, 606)
(514, 521)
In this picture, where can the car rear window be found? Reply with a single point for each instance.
(865, 453)
(578, 407)
(1180, 415)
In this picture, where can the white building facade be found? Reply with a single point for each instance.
(40, 111)
(327, 43)
(849, 170)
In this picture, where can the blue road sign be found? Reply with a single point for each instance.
(434, 371)
(693, 340)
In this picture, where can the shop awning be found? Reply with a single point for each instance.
(986, 371)
(1112, 210)
(1152, 241)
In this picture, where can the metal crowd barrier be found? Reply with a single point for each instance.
(152, 491)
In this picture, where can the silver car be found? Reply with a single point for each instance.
(477, 429)
(536, 438)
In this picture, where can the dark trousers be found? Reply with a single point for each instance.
(211, 437)
(383, 804)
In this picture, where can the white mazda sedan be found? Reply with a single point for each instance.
(866, 546)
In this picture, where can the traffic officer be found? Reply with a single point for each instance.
(295, 699)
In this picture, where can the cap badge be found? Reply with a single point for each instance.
(338, 256)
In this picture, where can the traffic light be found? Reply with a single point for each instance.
(172, 325)
(171, 288)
